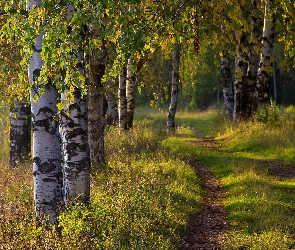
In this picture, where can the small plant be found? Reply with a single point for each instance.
(267, 114)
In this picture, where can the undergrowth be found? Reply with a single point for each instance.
(144, 198)
(141, 201)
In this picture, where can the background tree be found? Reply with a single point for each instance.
(20, 132)
(174, 88)
(130, 87)
(122, 104)
(265, 67)
(20, 110)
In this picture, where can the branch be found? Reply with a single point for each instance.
(14, 11)
(176, 12)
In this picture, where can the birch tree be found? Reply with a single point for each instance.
(174, 87)
(130, 86)
(228, 93)
(73, 129)
(122, 104)
(112, 108)
(241, 65)
(265, 69)
(76, 161)
(251, 100)
(96, 108)
(20, 132)
(46, 156)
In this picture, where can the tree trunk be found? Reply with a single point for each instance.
(241, 66)
(275, 91)
(217, 96)
(46, 154)
(46, 141)
(174, 88)
(76, 161)
(122, 106)
(112, 111)
(228, 95)
(251, 100)
(96, 110)
(20, 132)
(130, 85)
(73, 130)
(264, 70)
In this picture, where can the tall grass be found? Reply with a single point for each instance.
(260, 205)
(270, 136)
(144, 198)
(141, 201)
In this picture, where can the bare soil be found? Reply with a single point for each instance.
(278, 169)
(204, 229)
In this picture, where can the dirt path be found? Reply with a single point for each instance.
(204, 230)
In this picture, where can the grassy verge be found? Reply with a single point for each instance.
(261, 206)
(142, 201)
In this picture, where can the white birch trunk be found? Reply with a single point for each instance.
(228, 94)
(46, 155)
(130, 85)
(46, 142)
(264, 70)
(174, 88)
(76, 161)
(122, 105)
(20, 132)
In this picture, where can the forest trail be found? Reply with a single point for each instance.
(205, 228)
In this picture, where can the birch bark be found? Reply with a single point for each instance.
(96, 109)
(228, 94)
(76, 161)
(174, 88)
(20, 132)
(112, 110)
(46, 141)
(241, 66)
(122, 105)
(251, 100)
(73, 130)
(130, 85)
(264, 70)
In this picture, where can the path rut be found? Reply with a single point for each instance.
(205, 228)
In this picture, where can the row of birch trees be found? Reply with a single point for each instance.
(250, 84)
(72, 53)
(70, 49)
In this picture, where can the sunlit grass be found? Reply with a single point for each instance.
(270, 139)
(144, 198)
(260, 206)
(141, 201)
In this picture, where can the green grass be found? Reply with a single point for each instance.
(142, 201)
(260, 206)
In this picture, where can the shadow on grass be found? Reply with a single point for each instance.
(259, 203)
